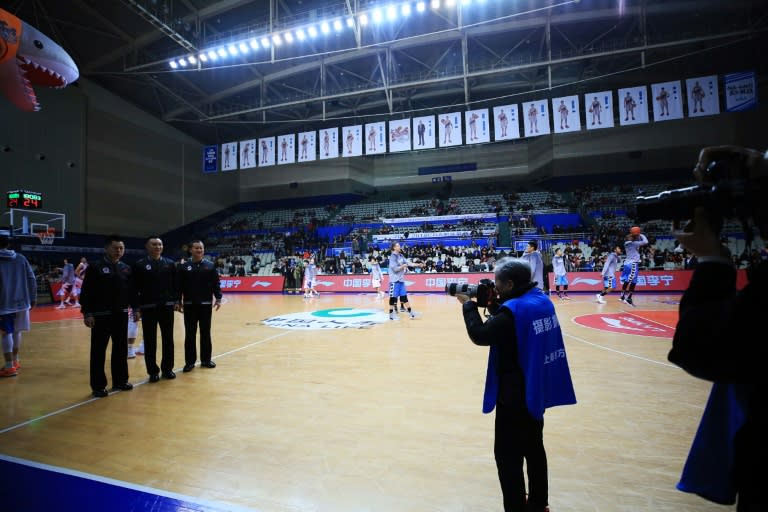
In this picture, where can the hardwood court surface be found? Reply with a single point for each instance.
(386, 418)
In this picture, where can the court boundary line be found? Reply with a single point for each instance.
(140, 383)
(620, 352)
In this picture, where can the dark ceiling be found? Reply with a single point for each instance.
(468, 56)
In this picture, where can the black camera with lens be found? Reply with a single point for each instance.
(484, 291)
(727, 189)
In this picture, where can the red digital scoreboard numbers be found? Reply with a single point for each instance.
(24, 199)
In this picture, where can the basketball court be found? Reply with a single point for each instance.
(325, 404)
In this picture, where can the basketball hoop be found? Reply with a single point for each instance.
(46, 237)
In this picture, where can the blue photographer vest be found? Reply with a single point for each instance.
(541, 353)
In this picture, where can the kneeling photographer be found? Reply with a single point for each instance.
(718, 333)
(527, 373)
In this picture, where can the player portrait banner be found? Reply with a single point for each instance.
(352, 140)
(477, 126)
(424, 132)
(565, 111)
(667, 101)
(307, 146)
(229, 156)
(286, 149)
(740, 91)
(375, 138)
(266, 151)
(210, 159)
(248, 154)
(599, 107)
(703, 96)
(536, 118)
(329, 143)
(633, 105)
(506, 122)
(399, 135)
(449, 129)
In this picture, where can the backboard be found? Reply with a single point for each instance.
(29, 223)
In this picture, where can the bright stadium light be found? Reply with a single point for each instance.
(435, 4)
(337, 26)
(173, 64)
(378, 16)
(203, 57)
(450, 3)
(363, 19)
(254, 43)
(243, 48)
(350, 22)
(222, 52)
(300, 34)
(182, 62)
(232, 49)
(277, 40)
(212, 55)
(288, 37)
(391, 12)
(421, 6)
(405, 10)
(192, 59)
(325, 27)
(265, 42)
(312, 31)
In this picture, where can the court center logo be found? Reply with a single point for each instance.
(335, 318)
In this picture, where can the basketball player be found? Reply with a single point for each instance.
(133, 332)
(372, 139)
(304, 144)
(18, 295)
(376, 276)
(79, 275)
(629, 271)
(67, 284)
(595, 109)
(533, 257)
(698, 97)
(350, 141)
(310, 279)
(561, 275)
(609, 274)
(563, 110)
(533, 119)
(663, 99)
(504, 122)
(398, 267)
(629, 106)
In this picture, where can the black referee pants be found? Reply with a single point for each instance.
(197, 315)
(150, 319)
(115, 326)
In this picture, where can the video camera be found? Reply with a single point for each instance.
(729, 188)
(484, 290)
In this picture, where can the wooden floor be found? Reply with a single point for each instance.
(386, 418)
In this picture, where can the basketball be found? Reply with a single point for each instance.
(634, 230)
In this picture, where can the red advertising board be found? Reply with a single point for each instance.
(659, 281)
(273, 284)
(414, 282)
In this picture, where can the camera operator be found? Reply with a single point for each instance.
(527, 373)
(715, 340)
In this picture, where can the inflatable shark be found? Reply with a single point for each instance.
(28, 58)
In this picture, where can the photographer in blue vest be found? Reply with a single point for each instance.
(527, 373)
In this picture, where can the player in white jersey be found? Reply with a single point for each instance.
(561, 275)
(609, 274)
(310, 279)
(533, 257)
(635, 240)
(376, 276)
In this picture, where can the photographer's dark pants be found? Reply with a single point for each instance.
(194, 315)
(113, 326)
(150, 319)
(520, 437)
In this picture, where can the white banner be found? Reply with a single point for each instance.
(229, 156)
(286, 149)
(599, 106)
(536, 120)
(399, 135)
(307, 146)
(668, 101)
(266, 151)
(436, 218)
(424, 132)
(450, 129)
(375, 138)
(506, 122)
(248, 154)
(352, 140)
(431, 234)
(566, 114)
(703, 96)
(634, 105)
(329, 143)
(477, 127)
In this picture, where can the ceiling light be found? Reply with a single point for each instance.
(450, 3)
(325, 27)
(377, 15)
(288, 37)
(243, 48)
(265, 42)
(435, 4)
(182, 62)
(173, 64)
(363, 19)
(312, 31)
(222, 52)
(212, 55)
(191, 59)
(232, 49)
(350, 22)
(254, 43)
(203, 57)
(337, 26)
(421, 6)
(406, 9)
(277, 39)
(300, 35)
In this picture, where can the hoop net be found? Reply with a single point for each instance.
(46, 237)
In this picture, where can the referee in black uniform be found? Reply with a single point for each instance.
(198, 286)
(106, 293)
(158, 297)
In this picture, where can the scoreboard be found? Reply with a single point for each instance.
(24, 199)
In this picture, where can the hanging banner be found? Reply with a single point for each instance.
(307, 146)
(286, 149)
(668, 101)
(634, 105)
(399, 135)
(599, 106)
(703, 96)
(229, 153)
(740, 91)
(248, 154)
(506, 122)
(210, 159)
(566, 114)
(424, 132)
(536, 120)
(375, 138)
(266, 151)
(329, 143)
(477, 126)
